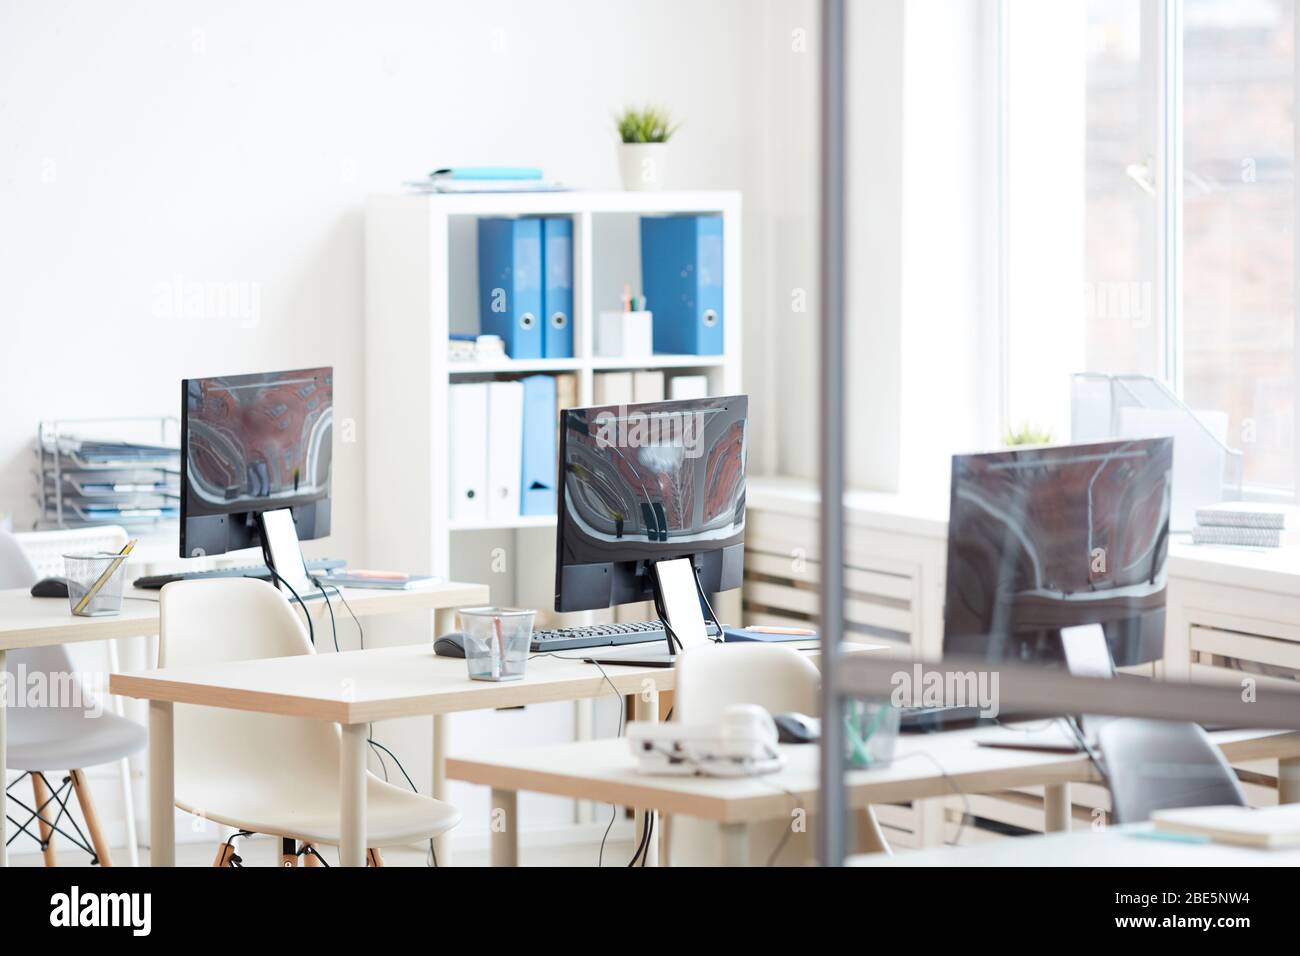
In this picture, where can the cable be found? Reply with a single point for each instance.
(266, 559)
(1079, 735)
(708, 604)
(376, 747)
(600, 860)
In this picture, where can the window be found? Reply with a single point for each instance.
(1187, 276)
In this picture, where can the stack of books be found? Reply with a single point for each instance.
(1248, 523)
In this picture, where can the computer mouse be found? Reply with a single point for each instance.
(51, 588)
(797, 728)
(450, 645)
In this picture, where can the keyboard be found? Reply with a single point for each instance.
(153, 582)
(603, 635)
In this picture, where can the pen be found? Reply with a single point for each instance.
(103, 578)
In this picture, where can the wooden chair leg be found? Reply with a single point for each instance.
(373, 858)
(224, 852)
(870, 838)
(308, 857)
(42, 794)
(92, 817)
(288, 852)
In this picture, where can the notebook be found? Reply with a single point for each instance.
(1271, 828)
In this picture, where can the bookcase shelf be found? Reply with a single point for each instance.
(420, 273)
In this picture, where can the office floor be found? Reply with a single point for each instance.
(265, 853)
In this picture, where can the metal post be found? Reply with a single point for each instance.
(831, 832)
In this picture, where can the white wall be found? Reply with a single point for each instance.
(150, 150)
(921, 383)
(147, 145)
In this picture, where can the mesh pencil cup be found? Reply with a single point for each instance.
(95, 583)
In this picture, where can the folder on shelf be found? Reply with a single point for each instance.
(538, 481)
(510, 283)
(557, 290)
(681, 274)
(505, 421)
(612, 388)
(684, 387)
(468, 408)
(648, 386)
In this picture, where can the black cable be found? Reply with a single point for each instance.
(266, 559)
(674, 642)
(376, 747)
(1079, 736)
(647, 839)
(600, 860)
(708, 604)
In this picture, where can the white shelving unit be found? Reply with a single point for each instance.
(421, 285)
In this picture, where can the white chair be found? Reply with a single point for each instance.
(65, 734)
(46, 549)
(710, 679)
(265, 773)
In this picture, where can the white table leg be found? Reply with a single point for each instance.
(162, 785)
(1288, 780)
(584, 719)
(735, 844)
(124, 768)
(4, 757)
(1056, 808)
(645, 706)
(504, 825)
(441, 844)
(352, 792)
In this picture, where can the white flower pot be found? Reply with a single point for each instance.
(642, 165)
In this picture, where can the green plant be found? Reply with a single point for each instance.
(652, 124)
(1028, 434)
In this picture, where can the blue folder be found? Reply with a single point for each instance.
(510, 283)
(537, 494)
(681, 275)
(557, 289)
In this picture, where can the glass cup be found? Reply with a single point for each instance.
(497, 641)
(870, 732)
(94, 583)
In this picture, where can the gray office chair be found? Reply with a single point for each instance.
(57, 737)
(1162, 765)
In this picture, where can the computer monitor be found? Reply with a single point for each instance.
(645, 483)
(250, 444)
(1041, 539)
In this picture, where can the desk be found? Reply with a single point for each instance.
(1114, 846)
(27, 622)
(925, 765)
(354, 688)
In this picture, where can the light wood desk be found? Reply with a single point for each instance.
(925, 765)
(1114, 846)
(354, 688)
(27, 622)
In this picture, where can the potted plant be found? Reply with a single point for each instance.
(644, 134)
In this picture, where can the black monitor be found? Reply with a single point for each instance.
(254, 443)
(645, 483)
(1045, 538)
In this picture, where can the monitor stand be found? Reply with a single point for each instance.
(677, 596)
(283, 553)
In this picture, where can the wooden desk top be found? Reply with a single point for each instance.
(359, 686)
(26, 621)
(925, 765)
(1114, 846)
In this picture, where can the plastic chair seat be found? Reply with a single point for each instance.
(394, 816)
(66, 738)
